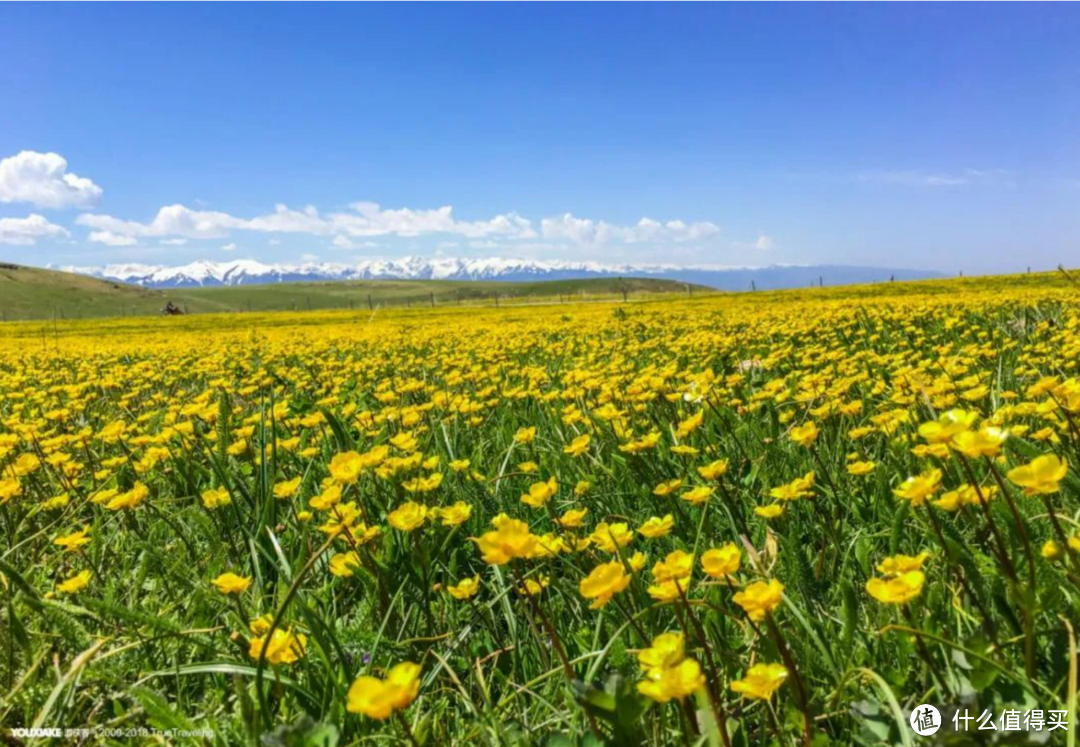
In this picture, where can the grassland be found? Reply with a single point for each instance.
(32, 293)
(778, 519)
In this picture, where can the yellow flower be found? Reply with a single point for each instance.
(859, 469)
(582, 487)
(668, 487)
(919, 487)
(287, 489)
(667, 650)
(343, 563)
(459, 513)
(214, 497)
(284, 647)
(899, 564)
(573, 518)
(898, 589)
(669, 590)
(772, 511)
(57, 501)
(948, 426)
(467, 588)
(75, 583)
(986, 441)
(760, 598)
(691, 424)
(677, 565)
(965, 495)
(26, 464)
(698, 495)
(578, 446)
(423, 484)
(130, 499)
(10, 487)
(642, 444)
(673, 683)
(1052, 550)
(804, 435)
(761, 681)
(525, 435)
(1041, 476)
(610, 537)
(511, 539)
(800, 487)
(714, 470)
(408, 516)
(345, 468)
(604, 582)
(378, 699)
(230, 583)
(636, 561)
(532, 587)
(656, 527)
(540, 493)
(75, 540)
(721, 561)
(330, 496)
(459, 465)
(261, 625)
(548, 545)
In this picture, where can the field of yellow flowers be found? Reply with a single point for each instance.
(771, 518)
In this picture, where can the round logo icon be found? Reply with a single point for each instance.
(925, 720)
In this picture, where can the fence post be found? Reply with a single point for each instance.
(433, 299)
(370, 307)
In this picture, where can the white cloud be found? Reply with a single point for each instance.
(917, 178)
(229, 248)
(586, 231)
(172, 220)
(112, 239)
(309, 257)
(26, 231)
(353, 229)
(42, 179)
(366, 220)
(173, 242)
(369, 219)
(764, 243)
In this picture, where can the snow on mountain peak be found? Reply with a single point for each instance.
(250, 272)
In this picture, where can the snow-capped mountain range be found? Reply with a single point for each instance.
(251, 272)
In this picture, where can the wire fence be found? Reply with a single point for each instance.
(360, 301)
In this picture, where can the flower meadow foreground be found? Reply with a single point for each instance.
(769, 518)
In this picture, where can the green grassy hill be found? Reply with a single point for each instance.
(33, 293)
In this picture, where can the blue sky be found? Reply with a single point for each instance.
(923, 136)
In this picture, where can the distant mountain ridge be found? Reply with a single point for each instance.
(251, 272)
